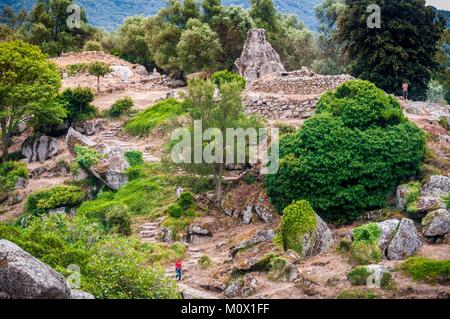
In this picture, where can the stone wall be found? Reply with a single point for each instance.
(287, 95)
(276, 106)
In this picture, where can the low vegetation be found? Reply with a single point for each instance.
(10, 172)
(427, 270)
(121, 107)
(357, 293)
(157, 115)
(364, 249)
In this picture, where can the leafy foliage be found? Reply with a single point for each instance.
(78, 103)
(121, 106)
(86, 157)
(40, 201)
(10, 172)
(368, 232)
(386, 60)
(349, 156)
(134, 158)
(226, 76)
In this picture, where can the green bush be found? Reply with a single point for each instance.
(175, 211)
(226, 76)
(10, 172)
(121, 107)
(427, 270)
(78, 101)
(76, 68)
(118, 219)
(285, 128)
(365, 252)
(134, 172)
(359, 276)
(42, 200)
(412, 196)
(186, 200)
(368, 232)
(160, 113)
(298, 219)
(134, 158)
(348, 157)
(86, 157)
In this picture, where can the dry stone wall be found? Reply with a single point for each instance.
(287, 95)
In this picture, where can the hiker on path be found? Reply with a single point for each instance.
(405, 87)
(178, 270)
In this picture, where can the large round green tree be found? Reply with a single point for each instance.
(28, 85)
(349, 156)
(401, 50)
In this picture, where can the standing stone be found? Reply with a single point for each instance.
(258, 57)
(40, 148)
(405, 242)
(247, 215)
(318, 241)
(388, 230)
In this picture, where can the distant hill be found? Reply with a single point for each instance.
(109, 14)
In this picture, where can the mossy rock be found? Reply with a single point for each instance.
(282, 269)
(303, 231)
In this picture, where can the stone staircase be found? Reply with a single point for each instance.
(149, 232)
(111, 137)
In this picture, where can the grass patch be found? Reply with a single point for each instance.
(157, 115)
(427, 270)
(357, 293)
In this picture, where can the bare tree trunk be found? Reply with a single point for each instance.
(98, 84)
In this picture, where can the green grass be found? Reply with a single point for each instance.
(157, 115)
(357, 293)
(427, 270)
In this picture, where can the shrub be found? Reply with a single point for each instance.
(368, 232)
(78, 101)
(204, 262)
(365, 252)
(73, 69)
(175, 211)
(134, 172)
(412, 196)
(10, 172)
(92, 45)
(41, 201)
(226, 76)
(186, 200)
(348, 157)
(118, 219)
(359, 276)
(121, 107)
(134, 158)
(427, 270)
(357, 293)
(86, 157)
(344, 245)
(285, 128)
(160, 113)
(298, 219)
(443, 122)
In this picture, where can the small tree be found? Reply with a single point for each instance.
(99, 69)
(27, 84)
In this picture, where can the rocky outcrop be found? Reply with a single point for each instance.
(112, 166)
(78, 294)
(437, 186)
(436, 223)
(24, 277)
(405, 242)
(90, 127)
(259, 237)
(258, 57)
(40, 148)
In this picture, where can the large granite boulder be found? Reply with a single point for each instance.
(40, 148)
(24, 277)
(317, 241)
(388, 230)
(436, 187)
(260, 237)
(258, 57)
(112, 166)
(405, 242)
(436, 223)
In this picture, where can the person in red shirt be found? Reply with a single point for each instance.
(178, 270)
